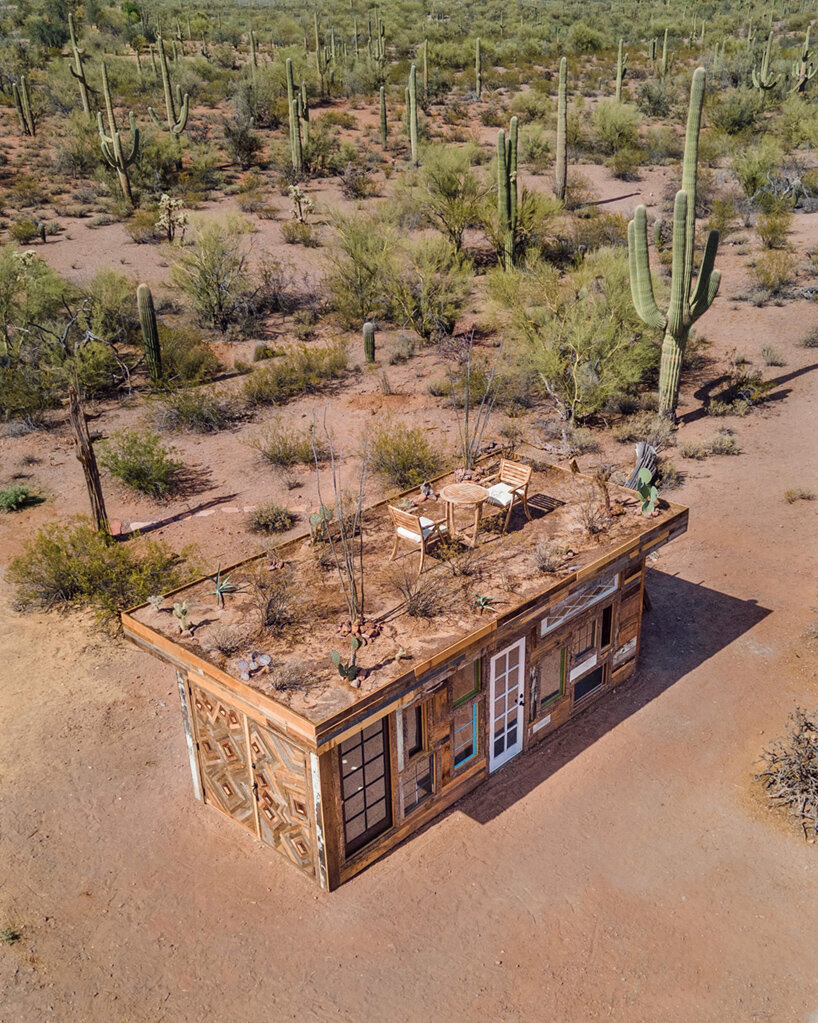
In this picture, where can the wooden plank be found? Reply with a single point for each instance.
(190, 741)
(251, 771)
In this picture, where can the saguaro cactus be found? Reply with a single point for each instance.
(621, 70)
(369, 341)
(561, 164)
(507, 190)
(384, 125)
(425, 54)
(803, 70)
(295, 141)
(687, 303)
(763, 78)
(478, 68)
(663, 65)
(23, 103)
(413, 114)
(77, 69)
(150, 332)
(176, 112)
(111, 145)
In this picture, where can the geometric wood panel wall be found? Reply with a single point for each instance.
(223, 757)
(280, 772)
(263, 786)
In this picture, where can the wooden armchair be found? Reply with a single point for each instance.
(511, 487)
(416, 529)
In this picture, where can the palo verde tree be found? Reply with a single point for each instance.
(687, 302)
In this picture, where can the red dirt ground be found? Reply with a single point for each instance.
(627, 870)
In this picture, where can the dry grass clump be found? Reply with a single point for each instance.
(798, 494)
(285, 446)
(647, 426)
(790, 771)
(724, 443)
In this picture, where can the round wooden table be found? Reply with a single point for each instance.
(470, 495)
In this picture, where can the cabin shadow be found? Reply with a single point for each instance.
(673, 644)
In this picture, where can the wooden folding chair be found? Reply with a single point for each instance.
(511, 487)
(416, 529)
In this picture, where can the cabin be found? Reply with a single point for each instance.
(521, 619)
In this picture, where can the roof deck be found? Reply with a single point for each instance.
(507, 567)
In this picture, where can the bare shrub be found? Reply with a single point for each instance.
(798, 494)
(228, 639)
(423, 597)
(790, 770)
(276, 599)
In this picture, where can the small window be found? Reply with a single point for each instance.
(551, 670)
(417, 782)
(413, 731)
(466, 683)
(607, 623)
(584, 639)
(589, 683)
(465, 734)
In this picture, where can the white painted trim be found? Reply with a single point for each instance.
(512, 751)
(582, 669)
(399, 737)
(542, 723)
(319, 831)
(190, 741)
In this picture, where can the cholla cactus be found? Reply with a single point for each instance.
(173, 217)
(302, 204)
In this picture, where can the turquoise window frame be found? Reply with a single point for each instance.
(460, 763)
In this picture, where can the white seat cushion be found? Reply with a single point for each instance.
(502, 494)
(427, 525)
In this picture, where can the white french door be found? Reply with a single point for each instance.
(507, 704)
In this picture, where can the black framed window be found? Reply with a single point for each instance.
(413, 730)
(365, 789)
(589, 683)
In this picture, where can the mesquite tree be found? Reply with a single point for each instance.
(687, 302)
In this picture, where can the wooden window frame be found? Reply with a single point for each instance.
(543, 705)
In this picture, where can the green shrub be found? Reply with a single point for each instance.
(16, 498)
(402, 455)
(303, 371)
(773, 227)
(71, 564)
(360, 269)
(773, 272)
(24, 231)
(142, 462)
(429, 290)
(199, 410)
(616, 126)
(753, 165)
(294, 232)
(271, 518)
(284, 446)
(186, 357)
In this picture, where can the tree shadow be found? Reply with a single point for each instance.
(178, 517)
(673, 645)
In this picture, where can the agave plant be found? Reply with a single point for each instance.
(223, 586)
